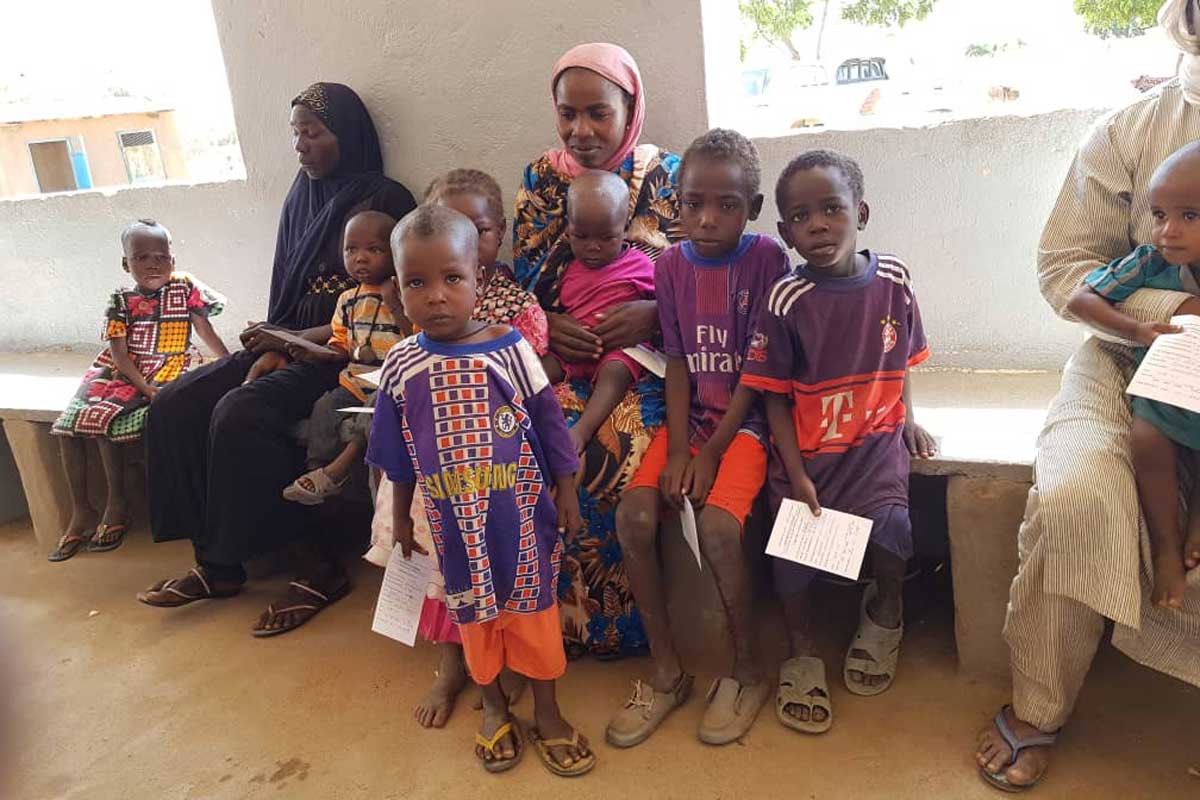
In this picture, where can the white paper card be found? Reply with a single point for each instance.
(373, 377)
(398, 609)
(833, 542)
(687, 518)
(649, 358)
(357, 410)
(1170, 372)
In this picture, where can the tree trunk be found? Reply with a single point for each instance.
(821, 30)
(791, 48)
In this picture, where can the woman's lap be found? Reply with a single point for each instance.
(177, 445)
(218, 449)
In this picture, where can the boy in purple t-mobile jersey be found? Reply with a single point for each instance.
(465, 408)
(831, 352)
(712, 449)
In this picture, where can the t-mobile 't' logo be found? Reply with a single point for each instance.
(836, 409)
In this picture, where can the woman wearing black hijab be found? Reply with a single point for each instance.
(219, 439)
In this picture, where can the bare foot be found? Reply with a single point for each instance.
(1191, 547)
(993, 753)
(1170, 580)
(434, 709)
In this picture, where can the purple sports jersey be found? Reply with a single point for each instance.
(841, 348)
(706, 308)
(478, 425)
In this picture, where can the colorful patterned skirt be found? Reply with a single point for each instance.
(598, 612)
(107, 404)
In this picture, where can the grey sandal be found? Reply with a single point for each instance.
(798, 678)
(882, 644)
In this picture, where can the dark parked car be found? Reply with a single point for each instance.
(859, 70)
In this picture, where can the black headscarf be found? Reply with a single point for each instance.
(315, 210)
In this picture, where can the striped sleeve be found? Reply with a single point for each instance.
(773, 355)
(1119, 279)
(1102, 212)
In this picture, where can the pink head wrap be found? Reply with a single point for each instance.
(613, 63)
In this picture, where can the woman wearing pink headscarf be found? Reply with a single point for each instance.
(600, 106)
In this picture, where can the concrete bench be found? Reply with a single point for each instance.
(987, 424)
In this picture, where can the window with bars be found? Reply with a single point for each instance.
(143, 162)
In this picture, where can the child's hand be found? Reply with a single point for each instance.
(570, 521)
(404, 538)
(389, 292)
(566, 500)
(699, 475)
(1146, 332)
(806, 492)
(670, 482)
(151, 392)
(919, 442)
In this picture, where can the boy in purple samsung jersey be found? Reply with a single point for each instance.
(834, 342)
(712, 449)
(465, 408)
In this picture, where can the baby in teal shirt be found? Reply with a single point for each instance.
(1172, 262)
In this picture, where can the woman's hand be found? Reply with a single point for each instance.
(571, 340)
(627, 324)
(254, 337)
(266, 363)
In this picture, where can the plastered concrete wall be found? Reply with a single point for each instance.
(963, 204)
(466, 84)
(105, 160)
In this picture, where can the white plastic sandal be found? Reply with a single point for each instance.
(324, 487)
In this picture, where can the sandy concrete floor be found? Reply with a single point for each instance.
(134, 702)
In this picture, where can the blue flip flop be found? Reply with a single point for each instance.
(1016, 745)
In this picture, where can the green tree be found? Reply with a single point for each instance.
(776, 20)
(1107, 18)
(887, 13)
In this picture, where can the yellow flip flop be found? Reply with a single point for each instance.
(580, 767)
(497, 764)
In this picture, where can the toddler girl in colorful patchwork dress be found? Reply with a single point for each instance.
(148, 328)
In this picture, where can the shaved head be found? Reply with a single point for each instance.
(1182, 165)
(147, 227)
(598, 194)
(436, 222)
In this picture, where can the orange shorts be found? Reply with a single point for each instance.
(740, 475)
(528, 644)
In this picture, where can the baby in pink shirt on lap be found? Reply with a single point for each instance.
(606, 273)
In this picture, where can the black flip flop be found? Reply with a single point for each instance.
(69, 545)
(321, 601)
(119, 530)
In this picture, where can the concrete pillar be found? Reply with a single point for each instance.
(983, 516)
(38, 462)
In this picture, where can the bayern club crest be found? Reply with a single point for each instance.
(889, 334)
